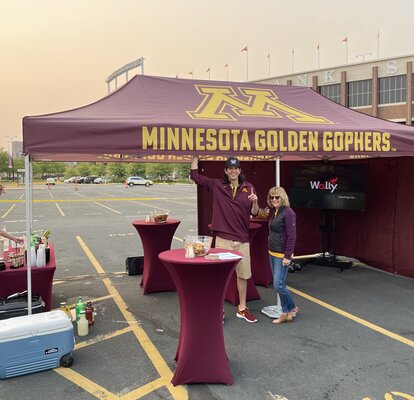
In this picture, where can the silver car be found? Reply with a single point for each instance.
(137, 180)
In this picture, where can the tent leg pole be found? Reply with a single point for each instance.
(277, 172)
(28, 194)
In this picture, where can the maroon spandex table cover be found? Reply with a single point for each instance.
(201, 354)
(259, 255)
(232, 294)
(13, 280)
(155, 238)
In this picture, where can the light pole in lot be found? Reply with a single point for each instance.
(10, 157)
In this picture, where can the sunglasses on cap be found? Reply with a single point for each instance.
(275, 197)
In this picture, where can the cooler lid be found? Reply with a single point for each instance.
(34, 325)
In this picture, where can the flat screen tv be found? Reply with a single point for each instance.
(328, 186)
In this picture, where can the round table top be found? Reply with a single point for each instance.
(169, 221)
(259, 221)
(177, 256)
(254, 225)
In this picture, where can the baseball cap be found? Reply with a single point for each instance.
(232, 162)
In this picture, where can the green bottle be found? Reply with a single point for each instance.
(80, 306)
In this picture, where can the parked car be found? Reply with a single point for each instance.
(137, 180)
(72, 179)
(102, 180)
(89, 179)
(50, 181)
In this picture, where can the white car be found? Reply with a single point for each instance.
(102, 180)
(71, 179)
(137, 180)
(50, 181)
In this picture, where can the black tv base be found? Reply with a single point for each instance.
(328, 228)
(331, 261)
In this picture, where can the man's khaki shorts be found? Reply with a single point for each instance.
(243, 269)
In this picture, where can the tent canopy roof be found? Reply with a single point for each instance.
(168, 119)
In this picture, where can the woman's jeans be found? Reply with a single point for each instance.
(279, 283)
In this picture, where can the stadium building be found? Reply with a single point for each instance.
(382, 88)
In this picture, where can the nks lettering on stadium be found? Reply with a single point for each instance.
(327, 185)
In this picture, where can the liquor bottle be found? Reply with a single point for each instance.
(83, 328)
(90, 313)
(80, 306)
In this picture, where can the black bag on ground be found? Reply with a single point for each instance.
(16, 305)
(134, 265)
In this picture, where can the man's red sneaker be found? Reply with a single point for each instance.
(246, 314)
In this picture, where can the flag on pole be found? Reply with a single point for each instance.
(317, 47)
(226, 66)
(293, 51)
(244, 49)
(345, 39)
(208, 69)
(268, 55)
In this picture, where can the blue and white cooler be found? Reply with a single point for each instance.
(36, 342)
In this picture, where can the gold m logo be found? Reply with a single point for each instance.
(223, 103)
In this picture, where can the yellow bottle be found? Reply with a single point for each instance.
(64, 307)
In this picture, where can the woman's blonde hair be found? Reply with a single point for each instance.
(278, 191)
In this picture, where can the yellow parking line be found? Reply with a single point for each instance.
(97, 199)
(178, 392)
(8, 211)
(86, 384)
(354, 318)
(100, 338)
(144, 390)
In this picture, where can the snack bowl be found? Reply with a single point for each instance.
(201, 244)
(160, 216)
(17, 260)
(263, 213)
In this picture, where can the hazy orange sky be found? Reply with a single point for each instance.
(56, 55)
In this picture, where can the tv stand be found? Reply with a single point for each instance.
(328, 237)
(330, 260)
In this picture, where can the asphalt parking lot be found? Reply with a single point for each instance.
(353, 338)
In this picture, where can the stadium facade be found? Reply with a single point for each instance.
(382, 88)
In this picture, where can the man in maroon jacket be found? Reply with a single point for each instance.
(234, 199)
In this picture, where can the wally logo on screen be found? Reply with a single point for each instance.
(328, 185)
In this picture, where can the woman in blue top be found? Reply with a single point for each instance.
(282, 239)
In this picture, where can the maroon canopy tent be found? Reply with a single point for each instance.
(165, 119)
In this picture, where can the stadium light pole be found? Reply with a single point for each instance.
(10, 158)
(124, 70)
